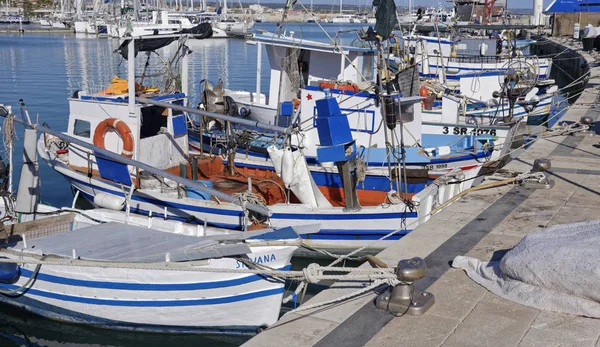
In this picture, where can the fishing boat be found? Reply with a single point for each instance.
(322, 68)
(446, 57)
(150, 127)
(107, 290)
(111, 269)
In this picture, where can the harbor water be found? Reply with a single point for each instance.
(45, 70)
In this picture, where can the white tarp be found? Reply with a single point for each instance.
(557, 269)
(590, 31)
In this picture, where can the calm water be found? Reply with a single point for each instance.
(44, 70)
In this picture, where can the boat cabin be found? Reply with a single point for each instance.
(303, 72)
(112, 119)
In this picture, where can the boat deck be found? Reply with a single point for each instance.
(128, 243)
(483, 224)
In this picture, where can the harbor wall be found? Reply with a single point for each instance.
(568, 65)
(564, 23)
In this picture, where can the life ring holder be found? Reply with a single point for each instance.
(122, 128)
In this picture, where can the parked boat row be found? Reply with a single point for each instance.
(198, 211)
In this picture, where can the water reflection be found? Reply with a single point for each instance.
(23, 329)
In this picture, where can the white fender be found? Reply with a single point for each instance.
(109, 201)
(287, 167)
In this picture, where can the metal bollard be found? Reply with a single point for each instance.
(403, 299)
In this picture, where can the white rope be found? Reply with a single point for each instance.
(390, 282)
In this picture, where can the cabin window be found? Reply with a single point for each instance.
(81, 128)
(153, 118)
(179, 103)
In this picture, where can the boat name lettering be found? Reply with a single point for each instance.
(267, 258)
(465, 131)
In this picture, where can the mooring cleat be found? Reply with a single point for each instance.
(403, 299)
(537, 178)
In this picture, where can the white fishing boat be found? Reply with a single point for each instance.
(322, 66)
(153, 132)
(111, 269)
(448, 58)
(142, 278)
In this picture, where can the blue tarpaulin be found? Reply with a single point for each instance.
(570, 6)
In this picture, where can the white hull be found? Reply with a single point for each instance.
(156, 300)
(339, 228)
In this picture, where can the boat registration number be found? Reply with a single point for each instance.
(466, 131)
(435, 166)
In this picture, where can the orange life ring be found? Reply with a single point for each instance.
(122, 128)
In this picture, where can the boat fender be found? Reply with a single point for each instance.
(109, 201)
(287, 167)
(9, 272)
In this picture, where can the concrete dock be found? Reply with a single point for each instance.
(483, 224)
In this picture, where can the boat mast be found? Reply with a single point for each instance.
(225, 9)
(341, 7)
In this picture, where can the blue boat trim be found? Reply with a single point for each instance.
(147, 286)
(355, 235)
(161, 203)
(168, 216)
(149, 303)
(344, 216)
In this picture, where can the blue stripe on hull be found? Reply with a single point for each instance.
(149, 303)
(147, 286)
(136, 210)
(355, 235)
(161, 203)
(344, 216)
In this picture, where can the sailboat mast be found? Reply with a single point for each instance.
(225, 9)
(341, 7)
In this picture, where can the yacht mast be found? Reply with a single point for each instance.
(341, 7)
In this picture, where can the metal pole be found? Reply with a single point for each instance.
(258, 71)
(151, 169)
(185, 72)
(226, 118)
(131, 76)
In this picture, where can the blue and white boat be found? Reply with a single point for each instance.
(154, 133)
(126, 277)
